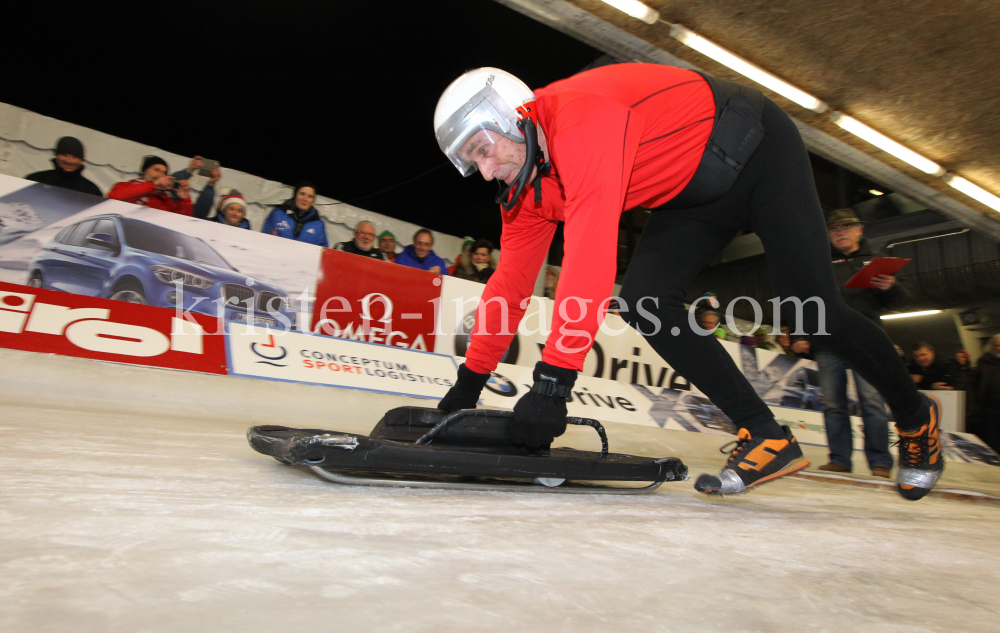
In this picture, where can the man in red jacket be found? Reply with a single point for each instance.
(155, 189)
(708, 158)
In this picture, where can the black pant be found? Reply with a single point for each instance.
(775, 196)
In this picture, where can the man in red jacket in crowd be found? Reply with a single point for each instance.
(155, 189)
(708, 158)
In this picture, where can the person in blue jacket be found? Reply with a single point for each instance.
(297, 218)
(420, 254)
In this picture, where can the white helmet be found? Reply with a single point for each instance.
(481, 99)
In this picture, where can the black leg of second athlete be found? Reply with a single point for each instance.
(671, 252)
(673, 249)
(786, 215)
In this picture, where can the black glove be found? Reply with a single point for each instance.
(540, 414)
(465, 392)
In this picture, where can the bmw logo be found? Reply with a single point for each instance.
(501, 386)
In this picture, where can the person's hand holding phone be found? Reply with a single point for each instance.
(195, 165)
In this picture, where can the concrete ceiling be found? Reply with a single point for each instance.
(919, 71)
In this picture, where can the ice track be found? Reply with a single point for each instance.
(132, 502)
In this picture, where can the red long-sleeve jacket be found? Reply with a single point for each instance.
(619, 137)
(144, 193)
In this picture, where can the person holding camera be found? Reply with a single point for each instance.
(155, 189)
(206, 199)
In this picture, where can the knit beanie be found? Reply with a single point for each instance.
(71, 146)
(386, 233)
(233, 198)
(300, 184)
(151, 160)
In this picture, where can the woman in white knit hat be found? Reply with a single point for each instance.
(232, 210)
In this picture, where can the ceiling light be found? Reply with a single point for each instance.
(876, 192)
(636, 9)
(973, 191)
(886, 144)
(710, 49)
(886, 317)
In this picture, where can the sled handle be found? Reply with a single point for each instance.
(597, 426)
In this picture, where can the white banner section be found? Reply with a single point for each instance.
(258, 352)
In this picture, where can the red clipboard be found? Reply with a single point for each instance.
(874, 268)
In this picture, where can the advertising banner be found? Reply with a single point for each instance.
(38, 320)
(363, 299)
(311, 358)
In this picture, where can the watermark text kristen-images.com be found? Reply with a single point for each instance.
(337, 317)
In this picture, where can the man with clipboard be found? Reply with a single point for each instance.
(872, 296)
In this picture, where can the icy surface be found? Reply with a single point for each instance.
(161, 520)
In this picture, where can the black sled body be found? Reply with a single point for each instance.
(444, 450)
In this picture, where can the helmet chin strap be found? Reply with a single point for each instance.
(533, 159)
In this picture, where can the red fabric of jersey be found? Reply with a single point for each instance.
(619, 137)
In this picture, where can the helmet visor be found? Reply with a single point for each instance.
(459, 138)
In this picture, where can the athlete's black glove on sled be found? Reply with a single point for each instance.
(465, 393)
(540, 415)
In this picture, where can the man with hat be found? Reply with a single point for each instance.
(850, 252)
(155, 189)
(463, 263)
(68, 172)
(387, 244)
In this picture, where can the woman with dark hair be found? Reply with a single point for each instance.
(297, 218)
(481, 268)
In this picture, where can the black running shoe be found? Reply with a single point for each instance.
(920, 460)
(754, 461)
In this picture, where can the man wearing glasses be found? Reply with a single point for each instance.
(363, 242)
(850, 252)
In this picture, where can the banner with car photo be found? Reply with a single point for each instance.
(57, 239)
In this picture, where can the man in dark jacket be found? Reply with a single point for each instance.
(928, 371)
(68, 172)
(363, 243)
(987, 393)
(850, 252)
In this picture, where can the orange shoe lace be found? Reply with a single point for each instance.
(742, 439)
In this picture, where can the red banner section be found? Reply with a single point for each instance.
(37, 320)
(400, 313)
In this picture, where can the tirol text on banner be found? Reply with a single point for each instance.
(37, 320)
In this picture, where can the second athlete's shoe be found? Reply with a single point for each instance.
(754, 461)
(920, 460)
